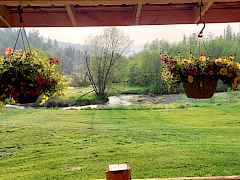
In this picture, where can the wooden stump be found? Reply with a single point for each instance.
(118, 172)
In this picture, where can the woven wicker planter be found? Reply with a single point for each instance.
(29, 99)
(200, 89)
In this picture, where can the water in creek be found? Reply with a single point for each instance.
(127, 100)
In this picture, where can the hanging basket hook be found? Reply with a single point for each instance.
(200, 34)
(20, 11)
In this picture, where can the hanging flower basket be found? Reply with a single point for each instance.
(26, 76)
(199, 76)
(27, 99)
(200, 89)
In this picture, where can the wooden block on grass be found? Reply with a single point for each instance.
(118, 172)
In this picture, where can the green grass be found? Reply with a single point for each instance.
(56, 144)
(216, 100)
(124, 88)
(74, 96)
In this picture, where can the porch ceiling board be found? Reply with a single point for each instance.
(97, 2)
(69, 13)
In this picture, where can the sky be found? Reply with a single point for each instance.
(139, 34)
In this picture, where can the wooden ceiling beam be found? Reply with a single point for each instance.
(206, 7)
(71, 14)
(4, 16)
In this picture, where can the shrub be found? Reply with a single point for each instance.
(26, 76)
(1, 105)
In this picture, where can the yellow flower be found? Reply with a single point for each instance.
(1, 61)
(218, 61)
(190, 79)
(236, 82)
(18, 55)
(235, 66)
(202, 59)
(187, 61)
(231, 58)
(223, 71)
(228, 62)
(230, 68)
(43, 99)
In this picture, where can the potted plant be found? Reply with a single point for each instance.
(24, 76)
(199, 76)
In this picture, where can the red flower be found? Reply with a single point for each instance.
(8, 51)
(14, 93)
(33, 93)
(54, 60)
(41, 81)
(193, 72)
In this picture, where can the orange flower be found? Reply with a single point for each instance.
(190, 79)
(8, 51)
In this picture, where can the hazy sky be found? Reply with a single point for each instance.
(139, 34)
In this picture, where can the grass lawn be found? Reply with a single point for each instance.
(57, 144)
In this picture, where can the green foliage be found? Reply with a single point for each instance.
(1, 105)
(145, 70)
(124, 88)
(75, 97)
(211, 45)
(26, 76)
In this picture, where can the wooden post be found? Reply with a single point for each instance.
(118, 172)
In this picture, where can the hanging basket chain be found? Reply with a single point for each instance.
(22, 33)
(15, 44)
(24, 48)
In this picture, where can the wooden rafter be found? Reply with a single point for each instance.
(82, 13)
(204, 10)
(71, 14)
(4, 16)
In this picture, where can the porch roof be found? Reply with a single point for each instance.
(79, 13)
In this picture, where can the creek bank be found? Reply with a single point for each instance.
(112, 101)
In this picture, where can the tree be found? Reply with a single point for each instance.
(228, 33)
(103, 53)
(145, 70)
